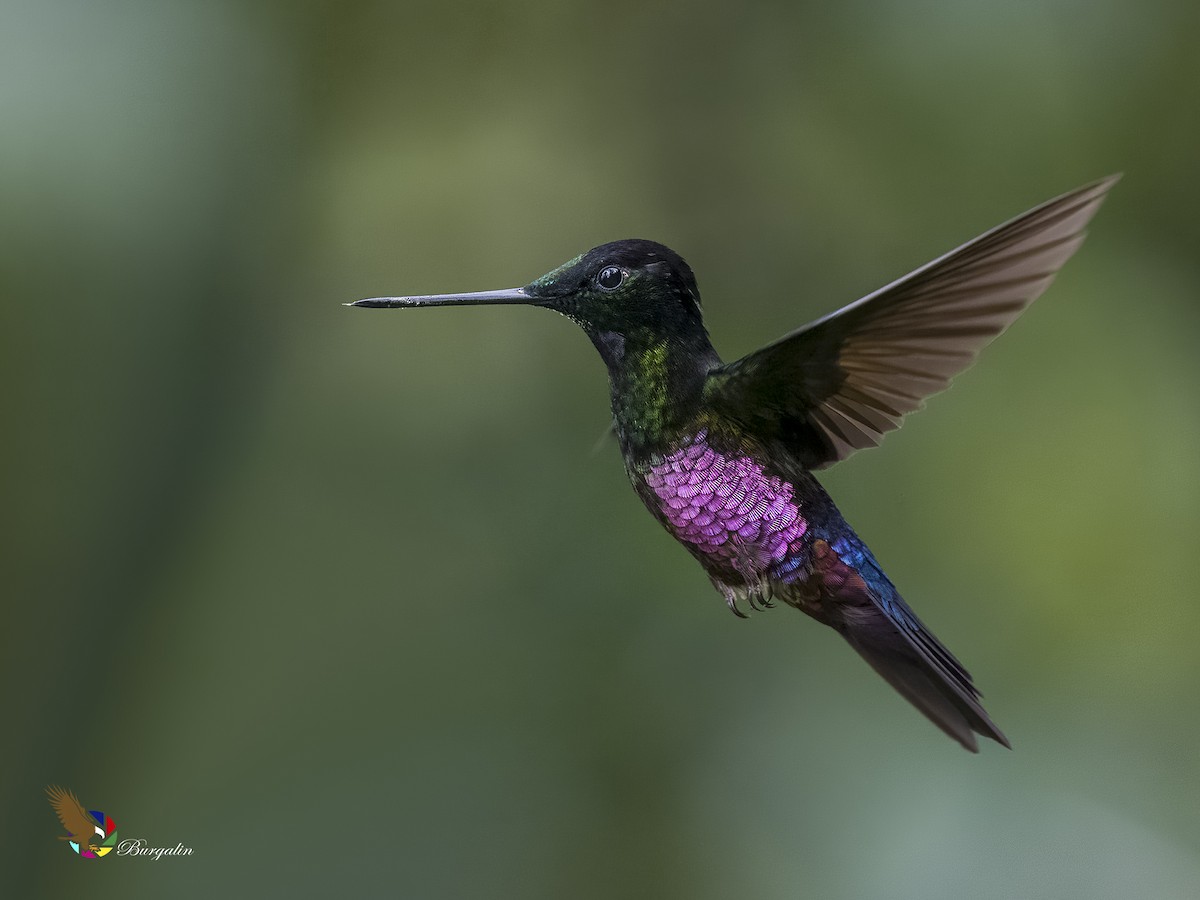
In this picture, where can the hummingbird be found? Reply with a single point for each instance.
(723, 455)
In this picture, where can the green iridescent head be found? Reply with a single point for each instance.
(630, 288)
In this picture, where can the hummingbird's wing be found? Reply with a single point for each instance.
(840, 383)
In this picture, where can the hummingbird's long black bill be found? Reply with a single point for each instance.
(478, 298)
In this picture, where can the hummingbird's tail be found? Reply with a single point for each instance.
(848, 591)
(925, 673)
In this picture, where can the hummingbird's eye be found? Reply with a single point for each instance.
(611, 278)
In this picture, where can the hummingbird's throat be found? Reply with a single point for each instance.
(645, 397)
(657, 385)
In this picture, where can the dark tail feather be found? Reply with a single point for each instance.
(926, 675)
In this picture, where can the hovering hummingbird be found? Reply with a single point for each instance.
(723, 454)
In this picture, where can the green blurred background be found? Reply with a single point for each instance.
(341, 599)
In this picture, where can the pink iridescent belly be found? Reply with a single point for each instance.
(728, 511)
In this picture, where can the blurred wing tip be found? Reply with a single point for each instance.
(1093, 191)
(1098, 185)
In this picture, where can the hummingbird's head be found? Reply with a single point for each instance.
(631, 292)
(623, 287)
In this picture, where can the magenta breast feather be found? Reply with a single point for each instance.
(729, 509)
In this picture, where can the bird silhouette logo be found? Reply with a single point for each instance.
(91, 833)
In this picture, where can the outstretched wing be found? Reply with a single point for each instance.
(71, 813)
(842, 382)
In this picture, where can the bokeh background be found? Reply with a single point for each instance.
(343, 600)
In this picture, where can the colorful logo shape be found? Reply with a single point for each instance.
(90, 833)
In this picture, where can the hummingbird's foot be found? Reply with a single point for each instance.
(731, 598)
(757, 590)
(760, 596)
(757, 594)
